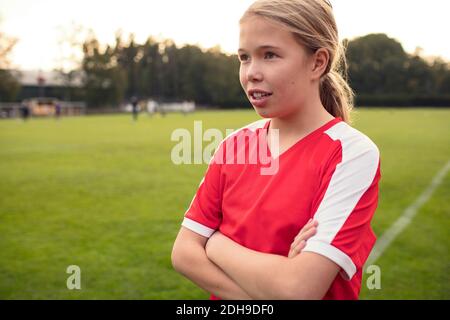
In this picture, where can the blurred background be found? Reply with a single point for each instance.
(90, 92)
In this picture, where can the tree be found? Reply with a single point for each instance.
(376, 64)
(9, 85)
(440, 70)
(379, 68)
(127, 57)
(104, 81)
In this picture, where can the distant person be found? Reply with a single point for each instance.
(57, 111)
(135, 108)
(24, 112)
(151, 107)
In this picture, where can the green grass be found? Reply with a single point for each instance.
(101, 192)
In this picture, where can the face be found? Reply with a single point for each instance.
(274, 64)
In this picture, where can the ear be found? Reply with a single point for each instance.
(320, 63)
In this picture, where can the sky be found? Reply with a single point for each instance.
(40, 24)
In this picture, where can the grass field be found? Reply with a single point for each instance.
(102, 193)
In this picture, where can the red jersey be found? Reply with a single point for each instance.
(331, 175)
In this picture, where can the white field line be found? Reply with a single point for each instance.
(397, 227)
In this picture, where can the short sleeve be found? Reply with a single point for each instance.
(204, 213)
(345, 203)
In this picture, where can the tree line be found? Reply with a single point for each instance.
(159, 70)
(379, 71)
(382, 73)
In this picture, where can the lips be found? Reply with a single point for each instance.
(258, 93)
(259, 98)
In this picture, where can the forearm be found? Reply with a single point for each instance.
(263, 276)
(197, 267)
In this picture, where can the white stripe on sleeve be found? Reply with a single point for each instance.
(350, 180)
(197, 227)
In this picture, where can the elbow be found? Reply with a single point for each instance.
(183, 259)
(174, 260)
(186, 252)
(177, 259)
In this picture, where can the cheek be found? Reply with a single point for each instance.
(295, 83)
(285, 77)
(292, 91)
(242, 77)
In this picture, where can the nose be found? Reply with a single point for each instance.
(254, 73)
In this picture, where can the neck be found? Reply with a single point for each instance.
(309, 117)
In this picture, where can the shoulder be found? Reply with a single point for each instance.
(352, 142)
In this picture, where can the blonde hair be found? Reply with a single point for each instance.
(313, 26)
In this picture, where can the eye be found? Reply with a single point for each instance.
(269, 53)
(243, 57)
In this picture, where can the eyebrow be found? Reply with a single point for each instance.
(261, 47)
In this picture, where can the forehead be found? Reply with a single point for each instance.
(258, 31)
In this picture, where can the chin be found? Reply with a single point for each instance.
(265, 113)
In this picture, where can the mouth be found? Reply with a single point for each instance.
(259, 94)
(259, 98)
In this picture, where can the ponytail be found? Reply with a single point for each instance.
(336, 95)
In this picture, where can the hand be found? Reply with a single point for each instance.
(299, 243)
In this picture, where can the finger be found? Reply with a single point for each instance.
(298, 249)
(308, 234)
(296, 243)
(307, 226)
(311, 223)
(301, 246)
(292, 253)
(304, 236)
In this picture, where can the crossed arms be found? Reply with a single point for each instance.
(230, 271)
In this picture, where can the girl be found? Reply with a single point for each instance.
(238, 238)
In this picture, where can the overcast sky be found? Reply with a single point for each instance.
(38, 23)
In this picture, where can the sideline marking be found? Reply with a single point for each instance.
(397, 227)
